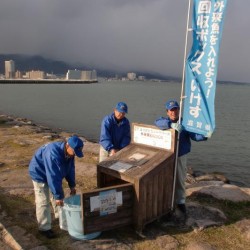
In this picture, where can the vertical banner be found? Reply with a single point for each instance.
(201, 66)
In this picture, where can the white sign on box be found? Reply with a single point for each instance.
(153, 137)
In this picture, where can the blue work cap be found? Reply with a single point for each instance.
(76, 144)
(122, 107)
(172, 104)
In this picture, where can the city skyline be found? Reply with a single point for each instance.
(11, 73)
(126, 35)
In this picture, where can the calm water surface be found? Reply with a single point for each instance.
(80, 108)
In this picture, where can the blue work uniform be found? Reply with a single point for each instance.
(185, 136)
(184, 148)
(50, 165)
(114, 134)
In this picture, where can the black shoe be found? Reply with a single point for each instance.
(168, 217)
(48, 233)
(182, 208)
(168, 220)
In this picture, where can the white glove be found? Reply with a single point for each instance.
(176, 126)
(209, 134)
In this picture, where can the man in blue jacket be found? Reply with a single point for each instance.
(115, 132)
(49, 166)
(171, 121)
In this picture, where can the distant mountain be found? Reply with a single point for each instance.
(27, 63)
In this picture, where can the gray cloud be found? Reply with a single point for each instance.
(120, 34)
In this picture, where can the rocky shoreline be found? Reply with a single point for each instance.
(214, 205)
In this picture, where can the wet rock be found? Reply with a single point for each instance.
(190, 179)
(200, 217)
(198, 185)
(245, 190)
(198, 173)
(4, 119)
(24, 121)
(220, 191)
(40, 129)
(212, 177)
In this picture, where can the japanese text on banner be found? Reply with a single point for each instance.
(201, 66)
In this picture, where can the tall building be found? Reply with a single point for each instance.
(84, 75)
(35, 74)
(94, 75)
(18, 74)
(89, 75)
(9, 69)
(73, 74)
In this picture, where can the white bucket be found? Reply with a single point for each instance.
(73, 211)
(62, 219)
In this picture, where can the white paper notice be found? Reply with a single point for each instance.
(153, 137)
(94, 203)
(137, 157)
(106, 202)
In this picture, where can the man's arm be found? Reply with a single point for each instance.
(70, 177)
(163, 123)
(105, 137)
(197, 137)
(127, 135)
(54, 176)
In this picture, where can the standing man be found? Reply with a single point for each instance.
(115, 132)
(49, 166)
(171, 121)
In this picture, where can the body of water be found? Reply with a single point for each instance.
(80, 108)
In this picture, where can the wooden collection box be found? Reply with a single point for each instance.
(107, 208)
(147, 167)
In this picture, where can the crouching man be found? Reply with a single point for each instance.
(49, 166)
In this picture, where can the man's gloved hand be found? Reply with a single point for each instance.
(176, 126)
(72, 191)
(209, 134)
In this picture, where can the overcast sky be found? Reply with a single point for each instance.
(130, 35)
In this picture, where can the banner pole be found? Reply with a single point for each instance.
(181, 98)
